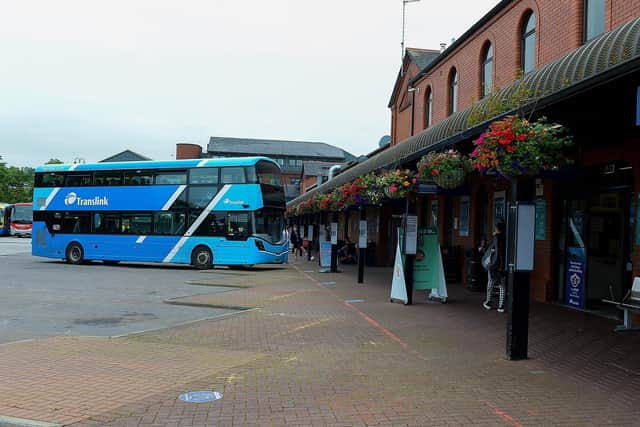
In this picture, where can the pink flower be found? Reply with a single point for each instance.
(393, 188)
(480, 140)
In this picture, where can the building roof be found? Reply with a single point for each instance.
(612, 55)
(272, 147)
(126, 156)
(422, 57)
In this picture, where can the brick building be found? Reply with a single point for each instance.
(579, 61)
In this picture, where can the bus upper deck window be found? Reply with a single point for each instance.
(171, 178)
(203, 176)
(233, 176)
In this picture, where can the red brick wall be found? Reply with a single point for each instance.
(558, 31)
(401, 118)
(188, 151)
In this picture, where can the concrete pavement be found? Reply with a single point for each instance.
(311, 355)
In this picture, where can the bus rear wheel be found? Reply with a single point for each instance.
(75, 253)
(201, 258)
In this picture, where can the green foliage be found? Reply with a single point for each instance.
(54, 162)
(499, 102)
(16, 184)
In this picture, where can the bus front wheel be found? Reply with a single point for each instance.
(75, 253)
(201, 258)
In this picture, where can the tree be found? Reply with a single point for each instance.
(54, 162)
(16, 184)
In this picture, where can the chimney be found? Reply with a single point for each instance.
(443, 46)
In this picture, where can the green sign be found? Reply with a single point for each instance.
(425, 268)
(541, 218)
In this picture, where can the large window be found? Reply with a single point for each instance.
(76, 223)
(594, 19)
(215, 224)
(453, 91)
(487, 70)
(138, 177)
(169, 223)
(268, 173)
(171, 178)
(200, 196)
(108, 178)
(233, 176)
(78, 180)
(428, 107)
(528, 43)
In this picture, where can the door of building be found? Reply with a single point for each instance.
(595, 240)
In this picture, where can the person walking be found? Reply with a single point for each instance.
(494, 261)
(295, 240)
(297, 245)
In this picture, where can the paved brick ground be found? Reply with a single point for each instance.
(307, 357)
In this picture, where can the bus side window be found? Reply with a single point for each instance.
(238, 224)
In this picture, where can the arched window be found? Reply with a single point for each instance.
(487, 70)
(453, 91)
(528, 43)
(594, 19)
(428, 107)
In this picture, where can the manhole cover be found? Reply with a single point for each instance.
(327, 283)
(536, 372)
(350, 301)
(200, 396)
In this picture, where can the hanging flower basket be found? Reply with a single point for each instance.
(397, 184)
(450, 179)
(448, 168)
(514, 146)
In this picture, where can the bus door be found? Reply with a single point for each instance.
(235, 247)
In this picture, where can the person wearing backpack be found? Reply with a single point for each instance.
(493, 260)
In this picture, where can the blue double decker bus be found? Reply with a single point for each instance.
(225, 211)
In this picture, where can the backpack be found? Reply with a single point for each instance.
(490, 256)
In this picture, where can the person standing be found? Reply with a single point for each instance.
(494, 261)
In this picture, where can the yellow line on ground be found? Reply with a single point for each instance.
(305, 326)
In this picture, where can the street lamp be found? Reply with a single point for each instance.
(404, 4)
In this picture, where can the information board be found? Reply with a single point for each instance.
(411, 236)
(325, 254)
(425, 267)
(541, 218)
(334, 233)
(362, 234)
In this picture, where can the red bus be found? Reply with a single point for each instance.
(21, 219)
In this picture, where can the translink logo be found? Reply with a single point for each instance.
(73, 199)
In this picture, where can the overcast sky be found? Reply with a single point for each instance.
(88, 79)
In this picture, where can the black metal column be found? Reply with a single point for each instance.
(363, 251)
(517, 282)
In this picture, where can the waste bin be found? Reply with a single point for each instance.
(476, 275)
(371, 256)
